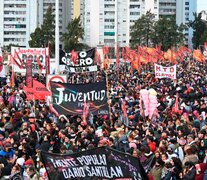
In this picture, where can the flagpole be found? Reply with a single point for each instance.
(12, 79)
(108, 97)
(57, 37)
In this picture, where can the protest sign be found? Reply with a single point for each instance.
(36, 55)
(84, 61)
(70, 98)
(165, 72)
(98, 163)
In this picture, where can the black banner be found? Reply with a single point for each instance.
(29, 73)
(84, 62)
(99, 163)
(84, 58)
(70, 98)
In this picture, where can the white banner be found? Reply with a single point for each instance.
(165, 72)
(35, 54)
(63, 78)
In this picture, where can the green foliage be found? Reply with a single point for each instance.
(45, 34)
(199, 30)
(203, 37)
(72, 37)
(146, 31)
(8, 47)
(142, 30)
(167, 33)
(37, 38)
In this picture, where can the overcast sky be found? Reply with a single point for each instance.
(201, 5)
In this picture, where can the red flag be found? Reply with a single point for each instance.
(20, 60)
(117, 59)
(197, 54)
(39, 64)
(123, 54)
(205, 45)
(105, 50)
(13, 61)
(52, 109)
(123, 107)
(85, 111)
(176, 103)
(12, 80)
(74, 56)
(1, 63)
(98, 58)
(29, 78)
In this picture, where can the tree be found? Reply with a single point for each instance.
(199, 28)
(71, 38)
(204, 37)
(37, 38)
(48, 27)
(167, 33)
(45, 35)
(142, 30)
(8, 47)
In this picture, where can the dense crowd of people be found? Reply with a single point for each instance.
(172, 145)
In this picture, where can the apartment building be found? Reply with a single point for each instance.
(17, 21)
(183, 10)
(184, 14)
(167, 8)
(108, 21)
(19, 18)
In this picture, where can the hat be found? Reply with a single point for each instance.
(7, 145)
(182, 142)
(28, 162)
(38, 147)
(20, 161)
(171, 147)
(99, 132)
(63, 116)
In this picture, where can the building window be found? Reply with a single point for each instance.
(108, 20)
(134, 6)
(109, 33)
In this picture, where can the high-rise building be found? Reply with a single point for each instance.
(108, 22)
(167, 8)
(183, 10)
(18, 19)
(184, 14)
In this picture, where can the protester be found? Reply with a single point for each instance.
(170, 144)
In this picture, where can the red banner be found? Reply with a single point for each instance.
(38, 92)
(29, 73)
